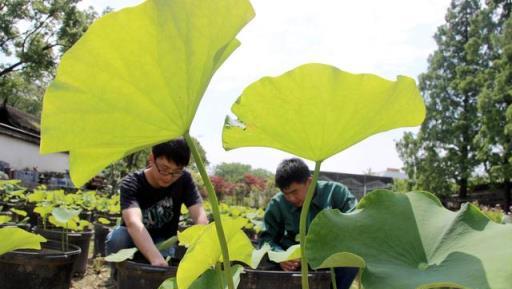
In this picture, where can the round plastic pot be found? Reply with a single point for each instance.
(263, 279)
(100, 234)
(45, 268)
(134, 275)
(25, 227)
(80, 239)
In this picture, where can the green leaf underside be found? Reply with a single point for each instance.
(63, 215)
(122, 255)
(204, 251)
(136, 79)
(291, 253)
(315, 110)
(406, 241)
(12, 238)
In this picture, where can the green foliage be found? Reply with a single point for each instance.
(15, 238)
(165, 108)
(444, 150)
(5, 219)
(122, 255)
(316, 95)
(33, 36)
(232, 172)
(201, 239)
(292, 253)
(405, 241)
(494, 48)
(210, 279)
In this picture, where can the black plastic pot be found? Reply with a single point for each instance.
(46, 268)
(100, 234)
(25, 227)
(134, 275)
(80, 239)
(263, 279)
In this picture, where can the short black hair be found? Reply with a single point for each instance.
(175, 150)
(290, 171)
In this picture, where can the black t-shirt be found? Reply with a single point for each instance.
(160, 207)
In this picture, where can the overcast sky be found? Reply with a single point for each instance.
(387, 38)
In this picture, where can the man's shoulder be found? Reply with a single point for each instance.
(132, 181)
(187, 176)
(278, 198)
(331, 186)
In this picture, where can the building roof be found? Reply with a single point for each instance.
(393, 173)
(18, 124)
(359, 185)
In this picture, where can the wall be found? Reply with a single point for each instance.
(21, 154)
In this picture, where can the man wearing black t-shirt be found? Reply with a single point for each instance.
(151, 202)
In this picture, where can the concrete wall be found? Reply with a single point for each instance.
(21, 154)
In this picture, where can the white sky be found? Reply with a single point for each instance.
(387, 38)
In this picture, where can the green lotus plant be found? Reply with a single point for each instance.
(20, 216)
(410, 240)
(315, 111)
(135, 79)
(67, 219)
(203, 258)
(4, 219)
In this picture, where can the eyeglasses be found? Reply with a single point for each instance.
(168, 173)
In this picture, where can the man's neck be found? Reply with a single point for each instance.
(149, 177)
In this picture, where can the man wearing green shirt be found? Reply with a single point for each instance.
(282, 216)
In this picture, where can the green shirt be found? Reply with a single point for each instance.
(281, 220)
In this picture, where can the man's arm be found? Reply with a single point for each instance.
(133, 220)
(198, 214)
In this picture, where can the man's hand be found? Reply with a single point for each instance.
(159, 262)
(292, 265)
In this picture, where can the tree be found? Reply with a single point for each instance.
(254, 187)
(33, 37)
(232, 172)
(494, 46)
(202, 154)
(445, 143)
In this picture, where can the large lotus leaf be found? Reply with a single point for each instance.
(136, 78)
(205, 250)
(408, 241)
(316, 110)
(12, 238)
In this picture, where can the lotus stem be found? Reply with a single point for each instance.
(218, 269)
(333, 279)
(215, 210)
(302, 227)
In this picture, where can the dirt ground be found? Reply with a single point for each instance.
(96, 277)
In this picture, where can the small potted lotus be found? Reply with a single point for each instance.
(29, 260)
(64, 225)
